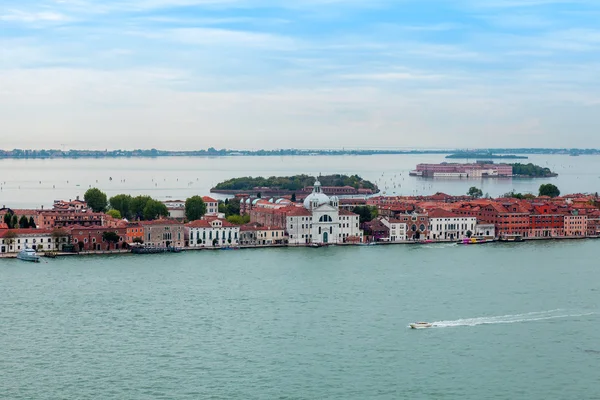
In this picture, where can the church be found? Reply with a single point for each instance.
(319, 220)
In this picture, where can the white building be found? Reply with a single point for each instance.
(212, 205)
(15, 240)
(321, 221)
(445, 225)
(176, 209)
(211, 233)
(398, 229)
(485, 230)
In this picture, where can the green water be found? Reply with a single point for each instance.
(516, 321)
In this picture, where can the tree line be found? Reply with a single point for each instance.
(14, 222)
(296, 182)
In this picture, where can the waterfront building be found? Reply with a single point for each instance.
(91, 238)
(65, 218)
(254, 234)
(166, 232)
(487, 231)
(43, 240)
(398, 230)
(318, 220)
(445, 225)
(454, 170)
(575, 224)
(211, 233)
(375, 231)
(546, 221)
(134, 232)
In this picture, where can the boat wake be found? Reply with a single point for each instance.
(510, 319)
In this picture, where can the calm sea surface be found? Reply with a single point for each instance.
(31, 183)
(514, 321)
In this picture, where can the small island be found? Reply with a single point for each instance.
(485, 156)
(298, 184)
(532, 171)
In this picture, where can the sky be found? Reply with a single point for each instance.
(251, 74)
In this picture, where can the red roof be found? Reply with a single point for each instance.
(23, 232)
(207, 223)
(440, 213)
(209, 199)
(163, 221)
(346, 212)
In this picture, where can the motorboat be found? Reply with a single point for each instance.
(421, 325)
(28, 255)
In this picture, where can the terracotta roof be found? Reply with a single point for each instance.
(164, 221)
(209, 199)
(346, 212)
(440, 213)
(23, 232)
(207, 223)
(296, 211)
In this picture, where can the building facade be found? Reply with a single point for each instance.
(211, 233)
(163, 233)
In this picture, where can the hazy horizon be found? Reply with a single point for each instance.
(253, 74)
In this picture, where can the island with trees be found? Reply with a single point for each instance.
(296, 185)
(213, 152)
(532, 171)
(465, 155)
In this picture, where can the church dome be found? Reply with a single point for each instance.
(316, 198)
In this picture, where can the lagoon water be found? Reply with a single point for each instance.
(31, 183)
(513, 321)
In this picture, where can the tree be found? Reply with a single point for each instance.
(154, 209)
(259, 195)
(366, 213)
(475, 192)
(110, 237)
(549, 190)
(137, 206)
(8, 219)
(96, 200)
(14, 222)
(138, 240)
(195, 208)
(293, 197)
(469, 234)
(122, 203)
(10, 237)
(239, 219)
(32, 223)
(116, 214)
(23, 222)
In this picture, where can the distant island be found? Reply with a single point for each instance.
(213, 152)
(485, 156)
(532, 171)
(298, 184)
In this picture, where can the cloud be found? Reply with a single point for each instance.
(24, 16)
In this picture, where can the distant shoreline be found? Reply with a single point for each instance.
(212, 152)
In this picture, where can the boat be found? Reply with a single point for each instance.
(475, 240)
(421, 325)
(28, 254)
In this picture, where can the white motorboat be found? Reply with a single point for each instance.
(421, 325)
(28, 255)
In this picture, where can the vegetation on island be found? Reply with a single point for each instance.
(484, 156)
(14, 222)
(366, 213)
(475, 192)
(296, 182)
(547, 189)
(532, 171)
(195, 208)
(213, 152)
(142, 208)
(96, 200)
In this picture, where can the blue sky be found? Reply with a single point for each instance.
(308, 73)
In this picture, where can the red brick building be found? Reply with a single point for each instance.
(88, 238)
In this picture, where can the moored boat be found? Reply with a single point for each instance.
(28, 254)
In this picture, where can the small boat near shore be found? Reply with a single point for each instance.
(474, 240)
(28, 254)
(421, 325)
